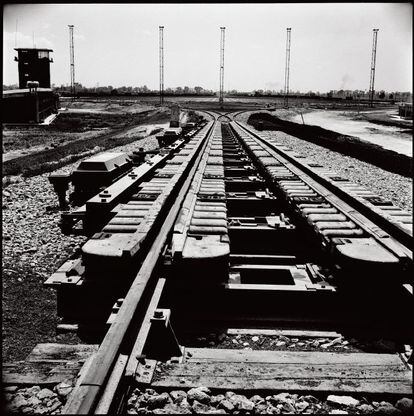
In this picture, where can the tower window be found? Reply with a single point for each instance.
(43, 54)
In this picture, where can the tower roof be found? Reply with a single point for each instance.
(34, 49)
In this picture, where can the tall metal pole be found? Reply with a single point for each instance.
(372, 74)
(287, 68)
(161, 65)
(222, 37)
(72, 61)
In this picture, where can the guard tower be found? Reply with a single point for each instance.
(34, 65)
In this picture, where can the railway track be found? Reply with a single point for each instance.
(230, 234)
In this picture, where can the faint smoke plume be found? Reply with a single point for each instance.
(272, 85)
(346, 79)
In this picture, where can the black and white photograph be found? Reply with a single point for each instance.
(207, 208)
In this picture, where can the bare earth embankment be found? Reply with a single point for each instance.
(347, 145)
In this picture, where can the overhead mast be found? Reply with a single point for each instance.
(373, 60)
(222, 37)
(287, 68)
(161, 46)
(72, 62)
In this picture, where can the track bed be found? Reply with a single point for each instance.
(240, 266)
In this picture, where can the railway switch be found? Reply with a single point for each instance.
(244, 202)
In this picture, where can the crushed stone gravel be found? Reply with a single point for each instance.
(33, 248)
(37, 400)
(290, 343)
(201, 400)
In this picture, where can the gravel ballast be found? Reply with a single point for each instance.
(37, 400)
(296, 343)
(397, 188)
(33, 248)
(201, 400)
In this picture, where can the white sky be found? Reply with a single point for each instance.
(118, 44)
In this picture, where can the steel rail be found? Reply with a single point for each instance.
(85, 397)
(394, 230)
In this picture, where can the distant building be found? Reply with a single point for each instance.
(34, 65)
(34, 100)
(28, 106)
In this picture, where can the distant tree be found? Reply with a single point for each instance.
(381, 95)
(198, 90)
(391, 96)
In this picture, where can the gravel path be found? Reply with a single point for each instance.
(33, 248)
(397, 188)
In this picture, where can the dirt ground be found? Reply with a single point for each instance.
(79, 128)
(387, 116)
(71, 125)
(382, 127)
(106, 106)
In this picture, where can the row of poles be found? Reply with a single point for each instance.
(222, 39)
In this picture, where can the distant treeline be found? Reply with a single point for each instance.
(115, 93)
(128, 94)
(198, 91)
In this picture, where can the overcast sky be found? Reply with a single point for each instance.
(118, 44)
